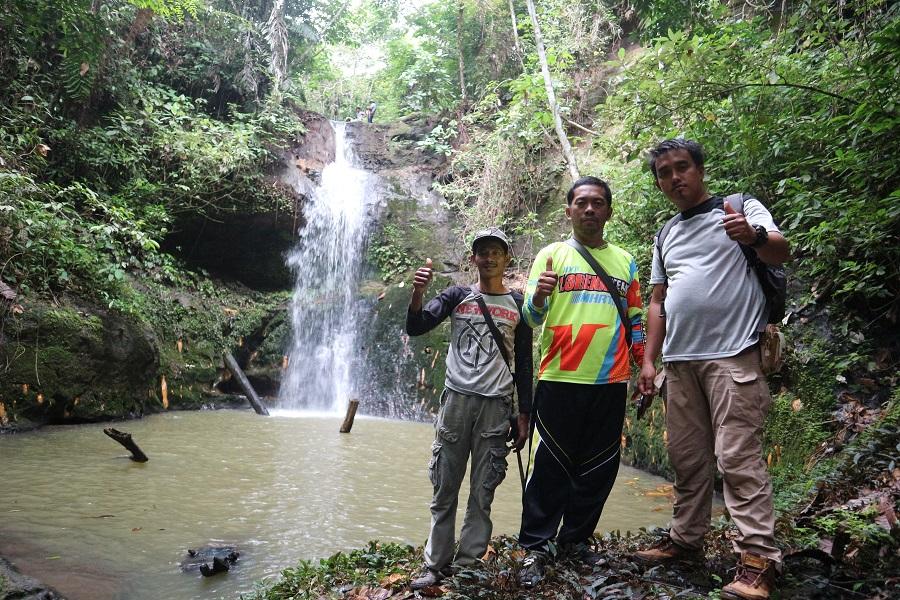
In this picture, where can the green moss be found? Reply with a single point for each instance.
(413, 366)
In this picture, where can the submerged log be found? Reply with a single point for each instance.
(242, 380)
(351, 414)
(125, 439)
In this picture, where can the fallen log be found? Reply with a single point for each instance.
(126, 440)
(347, 425)
(242, 380)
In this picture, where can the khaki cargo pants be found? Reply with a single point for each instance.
(466, 425)
(716, 410)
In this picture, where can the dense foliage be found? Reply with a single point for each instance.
(117, 121)
(800, 117)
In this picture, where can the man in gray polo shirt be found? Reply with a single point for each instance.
(707, 309)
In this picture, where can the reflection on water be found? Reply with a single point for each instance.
(78, 515)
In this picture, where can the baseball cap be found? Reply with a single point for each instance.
(490, 233)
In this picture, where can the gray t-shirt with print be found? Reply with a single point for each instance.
(474, 362)
(714, 304)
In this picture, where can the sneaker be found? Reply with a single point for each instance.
(533, 568)
(426, 578)
(666, 550)
(581, 553)
(755, 579)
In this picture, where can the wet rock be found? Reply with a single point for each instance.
(75, 363)
(16, 586)
(210, 560)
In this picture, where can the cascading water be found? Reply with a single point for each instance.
(327, 261)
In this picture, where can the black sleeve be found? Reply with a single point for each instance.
(437, 309)
(522, 348)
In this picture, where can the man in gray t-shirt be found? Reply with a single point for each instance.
(477, 403)
(706, 311)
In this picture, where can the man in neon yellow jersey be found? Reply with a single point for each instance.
(579, 403)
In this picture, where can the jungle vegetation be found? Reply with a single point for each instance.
(120, 117)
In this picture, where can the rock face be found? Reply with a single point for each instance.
(16, 586)
(249, 246)
(403, 376)
(75, 364)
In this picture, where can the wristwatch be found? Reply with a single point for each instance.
(762, 236)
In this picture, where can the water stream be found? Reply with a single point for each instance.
(327, 261)
(81, 517)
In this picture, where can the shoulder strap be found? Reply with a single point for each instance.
(495, 332)
(663, 232)
(608, 282)
(737, 203)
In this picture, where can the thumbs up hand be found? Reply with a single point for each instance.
(736, 226)
(423, 277)
(546, 284)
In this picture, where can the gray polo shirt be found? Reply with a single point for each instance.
(714, 305)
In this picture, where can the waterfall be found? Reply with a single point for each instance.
(327, 262)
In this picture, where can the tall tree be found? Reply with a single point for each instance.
(551, 95)
(277, 33)
(515, 30)
(460, 10)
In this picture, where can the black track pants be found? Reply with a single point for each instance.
(576, 461)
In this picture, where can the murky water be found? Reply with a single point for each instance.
(78, 515)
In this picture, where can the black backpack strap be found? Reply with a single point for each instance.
(495, 332)
(663, 232)
(608, 282)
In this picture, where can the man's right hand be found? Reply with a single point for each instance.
(423, 277)
(646, 385)
(546, 284)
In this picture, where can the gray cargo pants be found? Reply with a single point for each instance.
(466, 425)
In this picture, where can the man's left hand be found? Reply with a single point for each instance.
(737, 227)
(522, 423)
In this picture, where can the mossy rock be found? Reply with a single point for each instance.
(403, 376)
(75, 364)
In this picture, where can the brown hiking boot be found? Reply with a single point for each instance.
(666, 550)
(755, 579)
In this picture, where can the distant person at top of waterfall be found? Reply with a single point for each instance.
(360, 114)
(371, 110)
(477, 403)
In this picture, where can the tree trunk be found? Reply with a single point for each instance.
(347, 425)
(276, 32)
(235, 369)
(551, 96)
(520, 54)
(459, 49)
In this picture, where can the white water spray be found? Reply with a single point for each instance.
(325, 351)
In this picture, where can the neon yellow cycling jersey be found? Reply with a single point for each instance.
(583, 340)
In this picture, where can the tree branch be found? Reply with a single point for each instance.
(731, 87)
(581, 127)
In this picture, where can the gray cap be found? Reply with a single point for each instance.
(493, 233)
